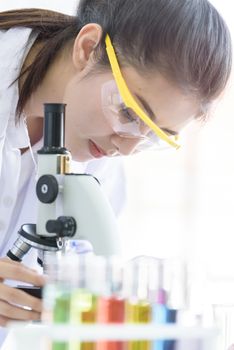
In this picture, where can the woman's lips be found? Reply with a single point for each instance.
(95, 150)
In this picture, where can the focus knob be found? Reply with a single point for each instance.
(64, 226)
(47, 189)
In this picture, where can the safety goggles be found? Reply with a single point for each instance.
(124, 114)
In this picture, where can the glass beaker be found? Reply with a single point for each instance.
(224, 320)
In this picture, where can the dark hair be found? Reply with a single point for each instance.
(186, 40)
(54, 30)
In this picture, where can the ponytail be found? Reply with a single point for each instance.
(54, 30)
(46, 22)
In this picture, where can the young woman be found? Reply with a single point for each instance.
(133, 73)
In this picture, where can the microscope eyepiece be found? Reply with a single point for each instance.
(54, 114)
(54, 129)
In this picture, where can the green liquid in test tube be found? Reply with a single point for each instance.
(61, 314)
(56, 295)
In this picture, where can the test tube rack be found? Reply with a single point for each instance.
(35, 336)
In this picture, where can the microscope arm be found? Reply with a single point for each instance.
(82, 198)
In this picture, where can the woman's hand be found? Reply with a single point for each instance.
(13, 300)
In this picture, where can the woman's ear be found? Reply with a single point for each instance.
(85, 42)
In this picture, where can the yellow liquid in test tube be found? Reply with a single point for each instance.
(83, 311)
(89, 316)
(138, 312)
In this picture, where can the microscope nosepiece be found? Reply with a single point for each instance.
(19, 249)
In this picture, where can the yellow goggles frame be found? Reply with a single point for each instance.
(129, 100)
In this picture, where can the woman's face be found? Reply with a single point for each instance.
(89, 135)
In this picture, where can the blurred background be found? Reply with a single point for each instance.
(180, 203)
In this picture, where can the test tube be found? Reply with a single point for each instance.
(159, 298)
(168, 277)
(138, 308)
(87, 311)
(111, 304)
(88, 280)
(56, 295)
(49, 290)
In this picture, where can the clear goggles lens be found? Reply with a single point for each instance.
(126, 123)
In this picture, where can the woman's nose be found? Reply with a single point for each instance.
(125, 145)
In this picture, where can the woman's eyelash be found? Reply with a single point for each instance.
(127, 113)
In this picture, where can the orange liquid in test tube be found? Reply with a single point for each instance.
(110, 310)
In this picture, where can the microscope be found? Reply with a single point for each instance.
(70, 206)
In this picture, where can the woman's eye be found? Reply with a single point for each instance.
(128, 114)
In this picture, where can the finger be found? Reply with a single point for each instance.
(9, 261)
(3, 321)
(20, 273)
(19, 297)
(18, 313)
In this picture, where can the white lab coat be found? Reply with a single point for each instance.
(17, 173)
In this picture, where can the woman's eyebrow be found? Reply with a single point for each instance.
(152, 115)
(146, 107)
(171, 132)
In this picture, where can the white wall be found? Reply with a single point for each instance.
(184, 203)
